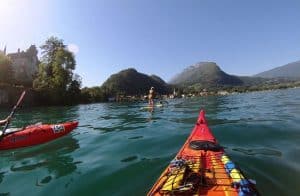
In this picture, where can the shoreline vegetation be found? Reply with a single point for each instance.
(90, 95)
(56, 84)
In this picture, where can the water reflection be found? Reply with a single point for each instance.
(1, 176)
(55, 157)
(260, 151)
(129, 159)
(122, 117)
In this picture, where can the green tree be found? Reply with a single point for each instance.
(93, 94)
(6, 71)
(73, 90)
(49, 49)
(55, 79)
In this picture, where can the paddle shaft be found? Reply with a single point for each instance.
(13, 111)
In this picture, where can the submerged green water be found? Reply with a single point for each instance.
(119, 149)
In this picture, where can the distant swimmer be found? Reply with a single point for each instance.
(151, 96)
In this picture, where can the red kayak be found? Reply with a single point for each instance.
(201, 167)
(35, 134)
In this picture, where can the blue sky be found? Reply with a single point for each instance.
(159, 37)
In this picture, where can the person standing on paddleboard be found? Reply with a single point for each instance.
(151, 96)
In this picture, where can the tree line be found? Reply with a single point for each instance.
(55, 83)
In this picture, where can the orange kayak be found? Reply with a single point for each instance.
(201, 167)
(35, 134)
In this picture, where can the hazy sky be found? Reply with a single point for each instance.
(159, 37)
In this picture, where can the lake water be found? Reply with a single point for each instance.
(119, 149)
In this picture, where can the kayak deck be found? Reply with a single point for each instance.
(201, 167)
(198, 175)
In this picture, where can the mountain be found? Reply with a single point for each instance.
(131, 82)
(291, 70)
(207, 74)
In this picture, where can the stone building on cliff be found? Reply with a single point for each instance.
(24, 64)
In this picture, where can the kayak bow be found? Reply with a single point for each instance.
(201, 167)
(35, 134)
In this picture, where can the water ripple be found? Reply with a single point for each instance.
(261, 151)
(119, 141)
